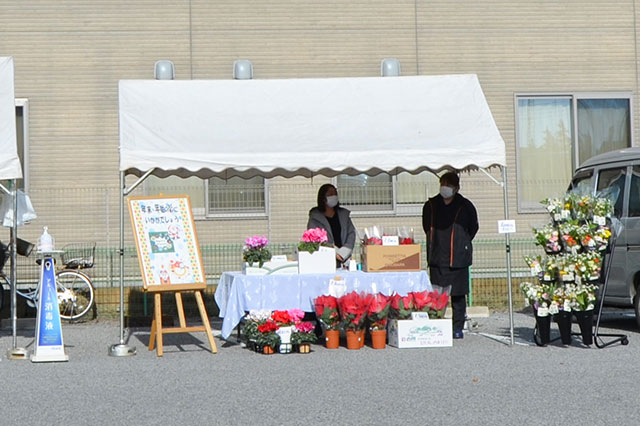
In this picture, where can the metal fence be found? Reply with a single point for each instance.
(488, 283)
(92, 215)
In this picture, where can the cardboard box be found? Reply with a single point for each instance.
(392, 258)
(420, 333)
(322, 261)
(271, 268)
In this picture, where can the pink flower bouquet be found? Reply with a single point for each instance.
(312, 239)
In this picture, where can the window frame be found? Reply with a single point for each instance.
(237, 214)
(396, 210)
(574, 97)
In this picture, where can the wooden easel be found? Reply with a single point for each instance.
(170, 259)
(156, 324)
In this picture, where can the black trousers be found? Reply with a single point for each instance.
(458, 279)
(459, 307)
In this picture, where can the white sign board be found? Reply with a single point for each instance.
(506, 226)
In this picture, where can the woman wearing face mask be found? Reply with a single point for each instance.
(335, 220)
(450, 222)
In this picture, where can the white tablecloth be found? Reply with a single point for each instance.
(238, 293)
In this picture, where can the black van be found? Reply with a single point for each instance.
(617, 173)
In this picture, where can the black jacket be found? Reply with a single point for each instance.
(450, 229)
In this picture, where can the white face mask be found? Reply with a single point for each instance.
(446, 191)
(332, 201)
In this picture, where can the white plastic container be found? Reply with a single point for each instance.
(45, 243)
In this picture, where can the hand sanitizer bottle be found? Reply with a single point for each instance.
(46, 241)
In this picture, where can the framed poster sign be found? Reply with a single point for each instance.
(167, 244)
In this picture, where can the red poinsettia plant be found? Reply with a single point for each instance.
(353, 309)
(434, 302)
(437, 301)
(402, 306)
(378, 311)
(327, 311)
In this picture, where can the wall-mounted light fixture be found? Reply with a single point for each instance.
(390, 67)
(242, 69)
(164, 70)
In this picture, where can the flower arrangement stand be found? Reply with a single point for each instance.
(157, 331)
(621, 338)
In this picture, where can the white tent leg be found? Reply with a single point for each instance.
(508, 252)
(15, 352)
(503, 184)
(14, 259)
(121, 349)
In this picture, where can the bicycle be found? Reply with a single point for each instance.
(76, 293)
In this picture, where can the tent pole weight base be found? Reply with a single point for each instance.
(17, 353)
(121, 350)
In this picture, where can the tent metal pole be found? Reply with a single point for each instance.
(122, 349)
(14, 259)
(508, 251)
(15, 352)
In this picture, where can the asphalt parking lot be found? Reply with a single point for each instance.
(480, 380)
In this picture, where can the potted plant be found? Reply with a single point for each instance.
(250, 329)
(285, 321)
(549, 238)
(538, 295)
(326, 308)
(583, 305)
(561, 310)
(302, 336)
(402, 306)
(352, 307)
(268, 339)
(312, 259)
(437, 301)
(312, 239)
(255, 254)
(377, 314)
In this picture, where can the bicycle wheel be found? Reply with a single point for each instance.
(76, 295)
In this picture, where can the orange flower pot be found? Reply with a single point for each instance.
(304, 348)
(354, 339)
(267, 350)
(332, 339)
(362, 335)
(378, 339)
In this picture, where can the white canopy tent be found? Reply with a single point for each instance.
(10, 168)
(9, 161)
(306, 127)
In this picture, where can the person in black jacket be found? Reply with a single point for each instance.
(451, 222)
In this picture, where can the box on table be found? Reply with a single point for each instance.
(271, 268)
(322, 261)
(420, 333)
(407, 257)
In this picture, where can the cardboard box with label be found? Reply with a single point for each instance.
(392, 258)
(420, 333)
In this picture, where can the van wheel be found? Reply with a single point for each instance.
(636, 308)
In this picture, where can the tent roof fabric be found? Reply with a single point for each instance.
(306, 127)
(9, 162)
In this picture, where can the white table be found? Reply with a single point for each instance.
(238, 293)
